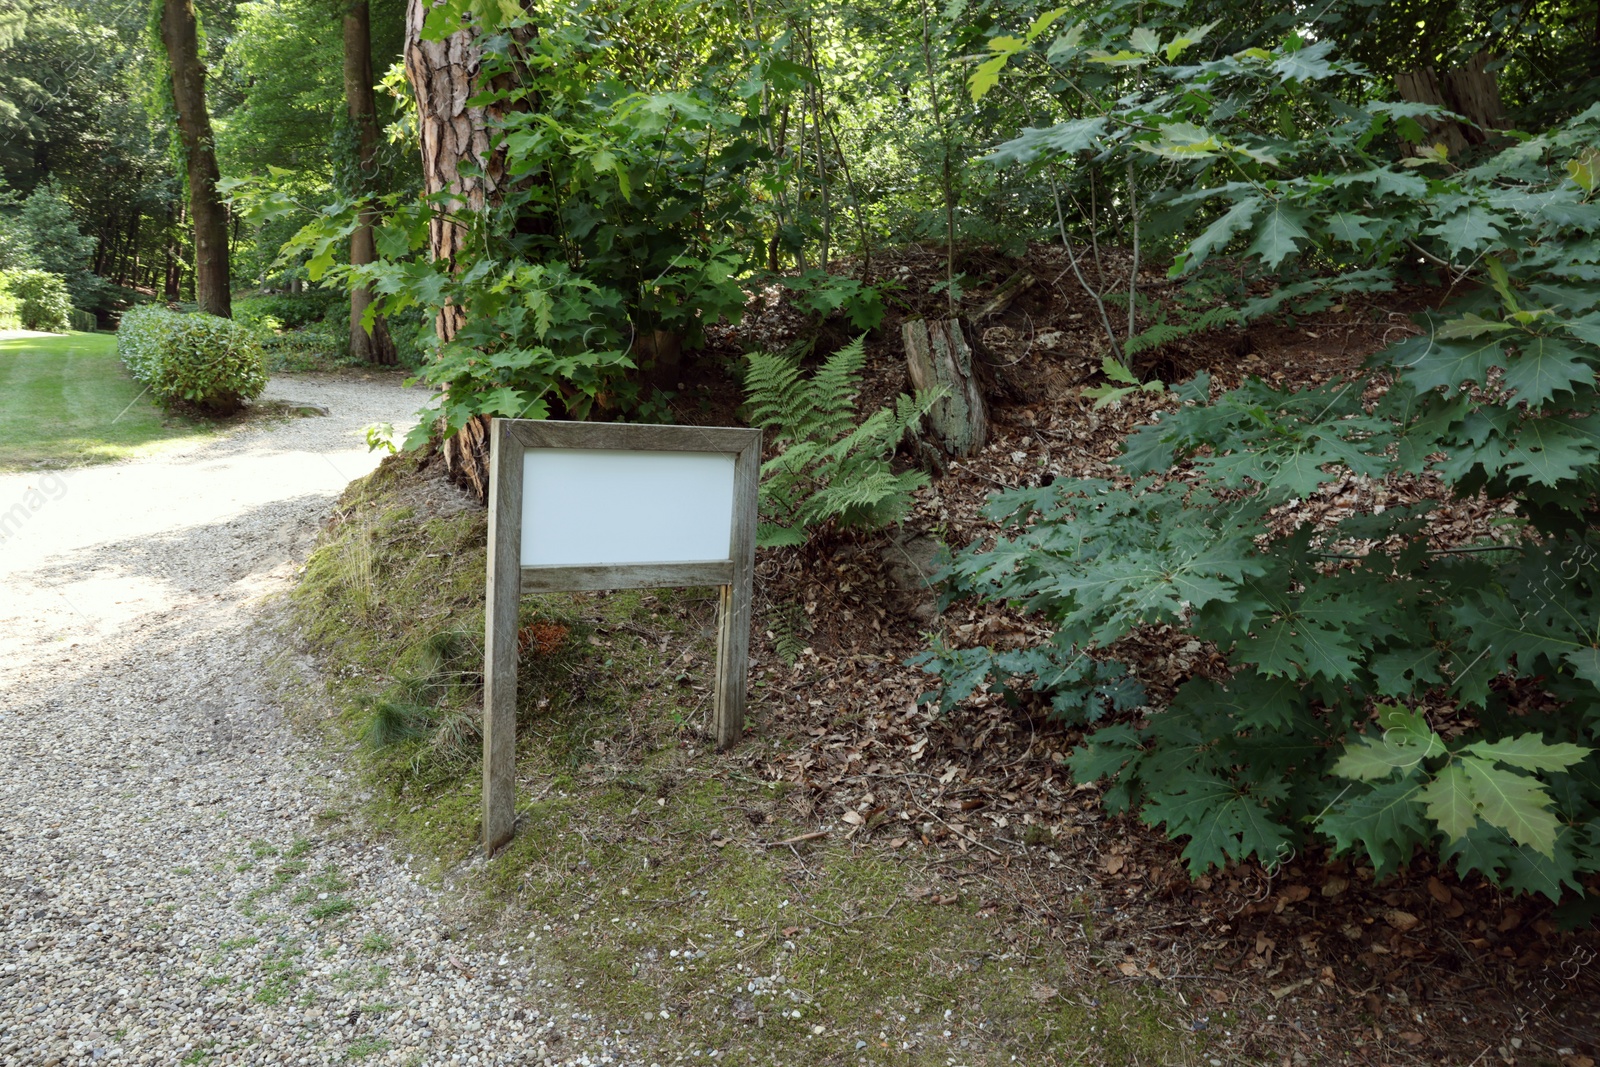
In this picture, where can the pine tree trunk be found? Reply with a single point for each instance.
(444, 75)
(179, 33)
(361, 103)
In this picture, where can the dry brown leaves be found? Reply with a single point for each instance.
(1419, 969)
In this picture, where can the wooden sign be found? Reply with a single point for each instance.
(576, 505)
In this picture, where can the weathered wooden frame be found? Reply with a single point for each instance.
(508, 580)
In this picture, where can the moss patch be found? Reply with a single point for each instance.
(648, 870)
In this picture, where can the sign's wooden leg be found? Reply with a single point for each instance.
(728, 711)
(500, 640)
(736, 602)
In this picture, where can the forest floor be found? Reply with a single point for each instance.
(65, 400)
(863, 879)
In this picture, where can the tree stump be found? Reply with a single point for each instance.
(937, 355)
(1471, 90)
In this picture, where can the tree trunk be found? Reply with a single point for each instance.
(179, 34)
(938, 356)
(1471, 91)
(362, 105)
(172, 271)
(125, 271)
(444, 75)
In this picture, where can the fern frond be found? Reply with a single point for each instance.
(1164, 332)
(790, 629)
(828, 468)
(834, 389)
(777, 394)
(866, 499)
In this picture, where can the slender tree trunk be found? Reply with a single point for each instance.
(179, 33)
(105, 249)
(133, 252)
(944, 168)
(444, 75)
(172, 270)
(377, 346)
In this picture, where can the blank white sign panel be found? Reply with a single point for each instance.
(590, 506)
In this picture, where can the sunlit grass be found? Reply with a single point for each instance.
(66, 400)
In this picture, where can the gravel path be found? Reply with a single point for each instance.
(172, 886)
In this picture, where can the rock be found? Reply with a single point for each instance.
(911, 561)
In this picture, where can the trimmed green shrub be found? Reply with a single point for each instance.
(284, 311)
(10, 319)
(316, 347)
(43, 302)
(210, 363)
(83, 321)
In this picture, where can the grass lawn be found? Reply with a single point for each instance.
(66, 400)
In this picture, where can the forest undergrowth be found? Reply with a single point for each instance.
(867, 861)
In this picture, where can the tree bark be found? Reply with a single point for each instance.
(444, 75)
(938, 357)
(179, 33)
(362, 105)
(172, 269)
(1471, 91)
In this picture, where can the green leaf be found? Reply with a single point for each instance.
(1585, 663)
(1385, 822)
(1468, 229)
(1067, 43)
(1216, 236)
(1483, 849)
(1062, 139)
(1545, 367)
(1398, 673)
(1350, 228)
(1044, 22)
(1121, 58)
(1529, 752)
(1144, 40)
(1586, 329)
(1306, 64)
(1515, 803)
(1370, 759)
(1450, 802)
(1389, 184)
(1183, 140)
(1501, 280)
(1553, 450)
(1585, 170)
(393, 241)
(1470, 325)
(1528, 871)
(1221, 822)
(1428, 363)
(1118, 371)
(987, 75)
(1184, 41)
(1280, 227)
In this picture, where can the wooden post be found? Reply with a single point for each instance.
(733, 615)
(500, 639)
